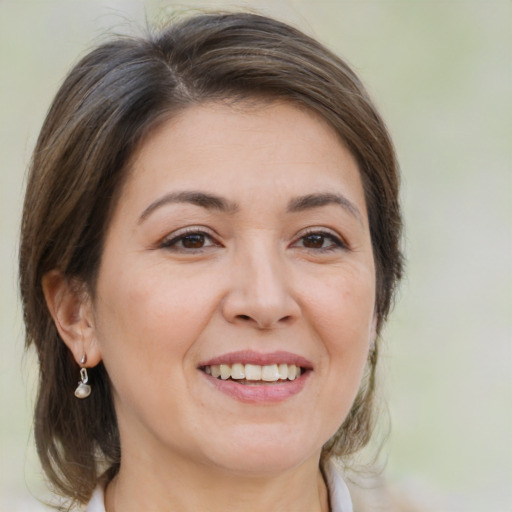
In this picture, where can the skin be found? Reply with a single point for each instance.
(247, 278)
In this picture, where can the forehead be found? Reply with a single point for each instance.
(232, 148)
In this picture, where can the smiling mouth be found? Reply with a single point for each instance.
(254, 374)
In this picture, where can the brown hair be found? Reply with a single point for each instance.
(105, 108)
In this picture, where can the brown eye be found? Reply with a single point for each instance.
(320, 241)
(189, 242)
(193, 241)
(313, 241)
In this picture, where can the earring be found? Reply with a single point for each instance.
(83, 389)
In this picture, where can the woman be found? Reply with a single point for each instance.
(210, 243)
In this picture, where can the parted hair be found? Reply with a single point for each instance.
(105, 109)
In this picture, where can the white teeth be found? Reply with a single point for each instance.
(238, 371)
(225, 371)
(254, 372)
(270, 373)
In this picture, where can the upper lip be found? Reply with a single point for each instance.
(259, 358)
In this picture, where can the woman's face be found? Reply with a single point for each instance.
(240, 245)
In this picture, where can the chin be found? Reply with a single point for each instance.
(262, 463)
(264, 452)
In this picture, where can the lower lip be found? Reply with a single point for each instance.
(259, 393)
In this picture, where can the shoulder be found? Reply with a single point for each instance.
(339, 495)
(97, 503)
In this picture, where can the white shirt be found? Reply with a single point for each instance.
(339, 495)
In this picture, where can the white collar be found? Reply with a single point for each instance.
(339, 495)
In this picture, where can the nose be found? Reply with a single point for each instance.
(260, 290)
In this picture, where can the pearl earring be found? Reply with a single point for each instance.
(83, 389)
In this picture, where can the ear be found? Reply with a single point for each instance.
(71, 309)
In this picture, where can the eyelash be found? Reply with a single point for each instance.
(336, 241)
(181, 236)
(176, 241)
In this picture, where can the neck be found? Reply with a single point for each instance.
(186, 488)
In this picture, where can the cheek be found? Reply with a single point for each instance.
(344, 308)
(148, 318)
(343, 324)
(147, 323)
(343, 312)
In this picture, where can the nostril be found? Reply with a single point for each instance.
(285, 320)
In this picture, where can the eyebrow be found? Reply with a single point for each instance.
(213, 202)
(208, 201)
(309, 201)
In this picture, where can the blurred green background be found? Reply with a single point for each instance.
(441, 72)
